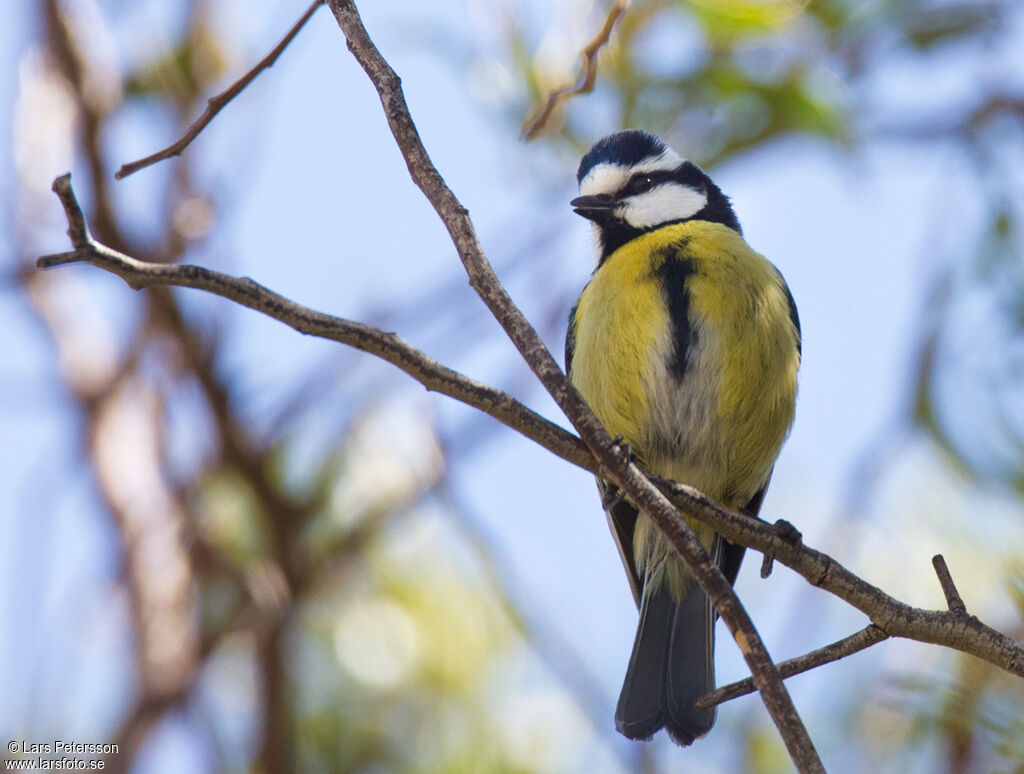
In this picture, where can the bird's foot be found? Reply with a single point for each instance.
(612, 498)
(787, 532)
(623, 444)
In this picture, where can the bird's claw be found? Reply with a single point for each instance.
(612, 498)
(623, 444)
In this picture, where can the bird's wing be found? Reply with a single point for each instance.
(621, 514)
(794, 317)
(622, 520)
(731, 556)
(570, 338)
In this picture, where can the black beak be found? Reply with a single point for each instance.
(598, 207)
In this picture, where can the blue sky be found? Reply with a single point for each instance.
(320, 203)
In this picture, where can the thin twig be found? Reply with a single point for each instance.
(215, 104)
(953, 600)
(615, 465)
(388, 346)
(865, 638)
(939, 627)
(584, 84)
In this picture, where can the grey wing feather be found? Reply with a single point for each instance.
(622, 521)
(794, 315)
(570, 337)
(621, 515)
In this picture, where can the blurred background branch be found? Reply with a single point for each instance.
(218, 102)
(535, 124)
(323, 606)
(780, 541)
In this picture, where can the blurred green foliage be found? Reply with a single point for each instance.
(374, 656)
(181, 75)
(718, 78)
(722, 78)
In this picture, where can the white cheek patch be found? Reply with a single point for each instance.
(664, 202)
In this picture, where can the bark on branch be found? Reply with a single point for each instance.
(242, 290)
(613, 462)
(847, 646)
(950, 628)
(890, 617)
(593, 449)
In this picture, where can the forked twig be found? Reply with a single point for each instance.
(216, 103)
(865, 638)
(584, 83)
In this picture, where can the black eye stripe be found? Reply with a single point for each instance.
(686, 174)
(690, 174)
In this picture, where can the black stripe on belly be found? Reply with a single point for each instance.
(673, 273)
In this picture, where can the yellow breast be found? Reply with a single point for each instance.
(721, 425)
(621, 322)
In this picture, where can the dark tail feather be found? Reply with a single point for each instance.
(691, 668)
(671, 666)
(641, 709)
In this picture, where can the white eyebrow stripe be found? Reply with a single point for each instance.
(608, 177)
(666, 162)
(605, 178)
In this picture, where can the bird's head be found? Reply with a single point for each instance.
(631, 182)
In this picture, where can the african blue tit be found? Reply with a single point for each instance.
(686, 345)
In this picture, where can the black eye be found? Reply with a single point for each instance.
(640, 184)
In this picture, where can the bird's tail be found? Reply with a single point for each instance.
(671, 666)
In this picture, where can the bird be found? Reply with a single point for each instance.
(685, 343)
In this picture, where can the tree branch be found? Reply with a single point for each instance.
(615, 464)
(863, 639)
(940, 627)
(242, 290)
(217, 103)
(584, 84)
(890, 616)
(953, 600)
(950, 628)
